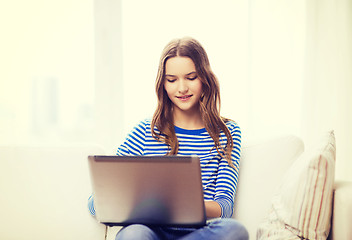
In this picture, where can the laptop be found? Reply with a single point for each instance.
(158, 190)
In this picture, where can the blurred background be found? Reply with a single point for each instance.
(83, 71)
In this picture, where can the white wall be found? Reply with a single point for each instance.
(277, 51)
(148, 26)
(258, 59)
(109, 84)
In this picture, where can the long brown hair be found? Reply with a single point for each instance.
(209, 102)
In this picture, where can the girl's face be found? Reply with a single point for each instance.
(182, 84)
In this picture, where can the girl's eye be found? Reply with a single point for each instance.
(192, 78)
(171, 80)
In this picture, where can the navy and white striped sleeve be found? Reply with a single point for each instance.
(91, 207)
(135, 142)
(226, 183)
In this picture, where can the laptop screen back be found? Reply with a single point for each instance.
(159, 190)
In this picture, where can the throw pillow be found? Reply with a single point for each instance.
(302, 207)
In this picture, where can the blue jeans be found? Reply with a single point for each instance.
(224, 229)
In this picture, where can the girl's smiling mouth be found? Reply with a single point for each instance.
(184, 97)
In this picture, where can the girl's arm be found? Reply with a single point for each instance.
(212, 209)
(228, 176)
(135, 141)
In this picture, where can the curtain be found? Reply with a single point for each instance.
(327, 84)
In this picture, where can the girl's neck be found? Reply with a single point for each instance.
(188, 121)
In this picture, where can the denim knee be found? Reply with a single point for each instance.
(136, 231)
(232, 229)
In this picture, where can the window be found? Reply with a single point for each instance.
(47, 86)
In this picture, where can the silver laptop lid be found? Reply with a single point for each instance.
(162, 190)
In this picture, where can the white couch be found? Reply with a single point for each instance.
(263, 166)
(44, 190)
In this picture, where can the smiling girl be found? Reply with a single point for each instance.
(187, 122)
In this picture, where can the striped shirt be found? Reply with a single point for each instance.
(218, 178)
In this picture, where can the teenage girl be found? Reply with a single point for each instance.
(187, 122)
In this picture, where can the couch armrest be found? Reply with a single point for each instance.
(342, 211)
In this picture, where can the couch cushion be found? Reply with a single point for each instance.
(263, 164)
(303, 203)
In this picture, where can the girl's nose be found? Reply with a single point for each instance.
(183, 88)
